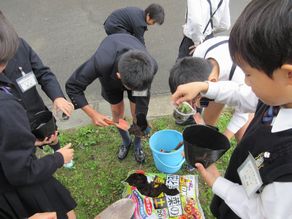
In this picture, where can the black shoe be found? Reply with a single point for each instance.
(139, 155)
(123, 151)
(189, 121)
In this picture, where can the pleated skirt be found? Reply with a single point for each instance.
(46, 196)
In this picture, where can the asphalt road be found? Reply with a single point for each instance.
(65, 33)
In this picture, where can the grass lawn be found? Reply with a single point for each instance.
(95, 180)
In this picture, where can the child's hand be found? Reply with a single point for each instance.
(62, 104)
(210, 174)
(45, 215)
(67, 153)
(96, 117)
(187, 92)
(99, 119)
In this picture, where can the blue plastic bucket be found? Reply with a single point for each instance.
(167, 140)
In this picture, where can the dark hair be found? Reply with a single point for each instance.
(8, 40)
(136, 70)
(188, 69)
(262, 35)
(156, 12)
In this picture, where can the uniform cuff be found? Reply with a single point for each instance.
(59, 159)
(212, 90)
(78, 101)
(57, 95)
(237, 121)
(234, 127)
(221, 187)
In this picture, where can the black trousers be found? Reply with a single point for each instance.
(186, 42)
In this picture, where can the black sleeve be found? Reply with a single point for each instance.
(139, 25)
(19, 164)
(79, 80)
(44, 75)
(139, 34)
(143, 102)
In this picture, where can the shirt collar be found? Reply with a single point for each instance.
(282, 122)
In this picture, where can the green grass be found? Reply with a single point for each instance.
(95, 180)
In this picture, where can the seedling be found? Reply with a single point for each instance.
(183, 111)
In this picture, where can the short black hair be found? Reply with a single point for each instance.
(136, 69)
(156, 12)
(8, 40)
(262, 35)
(188, 69)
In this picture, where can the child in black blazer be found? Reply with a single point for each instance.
(27, 185)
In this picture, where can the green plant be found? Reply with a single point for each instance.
(185, 108)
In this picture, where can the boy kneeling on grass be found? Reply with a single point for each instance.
(258, 179)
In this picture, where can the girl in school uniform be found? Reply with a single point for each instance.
(26, 182)
(27, 66)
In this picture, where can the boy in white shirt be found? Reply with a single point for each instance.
(203, 19)
(261, 44)
(215, 52)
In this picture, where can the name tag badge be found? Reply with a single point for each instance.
(250, 176)
(142, 93)
(27, 81)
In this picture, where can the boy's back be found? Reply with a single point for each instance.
(217, 48)
(127, 20)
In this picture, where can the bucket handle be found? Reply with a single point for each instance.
(183, 160)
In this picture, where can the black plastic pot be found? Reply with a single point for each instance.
(43, 125)
(203, 144)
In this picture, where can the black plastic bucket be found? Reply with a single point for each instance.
(43, 124)
(203, 144)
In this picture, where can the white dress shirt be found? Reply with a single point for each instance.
(233, 94)
(222, 56)
(275, 201)
(198, 15)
